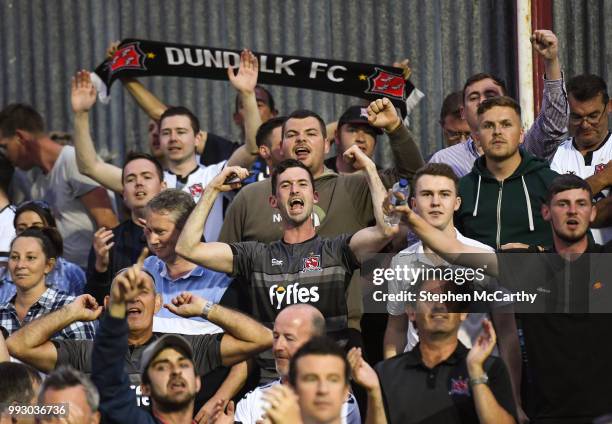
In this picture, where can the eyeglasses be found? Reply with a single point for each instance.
(457, 135)
(592, 118)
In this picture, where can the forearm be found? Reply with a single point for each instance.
(87, 160)
(4, 354)
(407, 156)
(240, 326)
(117, 401)
(191, 233)
(39, 331)
(509, 349)
(600, 181)
(550, 126)
(604, 213)
(552, 68)
(378, 194)
(233, 382)
(147, 101)
(394, 340)
(252, 121)
(489, 411)
(376, 409)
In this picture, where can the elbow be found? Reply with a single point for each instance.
(182, 250)
(15, 348)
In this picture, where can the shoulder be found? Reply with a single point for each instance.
(472, 242)
(258, 188)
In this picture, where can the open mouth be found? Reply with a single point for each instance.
(572, 223)
(140, 194)
(301, 152)
(296, 204)
(134, 312)
(177, 384)
(439, 316)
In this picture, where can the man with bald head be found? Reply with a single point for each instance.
(293, 326)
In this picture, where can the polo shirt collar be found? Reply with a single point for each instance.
(198, 271)
(414, 358)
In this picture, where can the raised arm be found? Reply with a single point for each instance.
(244, 82)
(447, 247)
(31, 343)
(550, 126)
(370, 239)
(213, 255)
(117, 400)
(83, 97)
(366, 377)
(487, 405)
(244, 337)
(98, 205)
(407, 156)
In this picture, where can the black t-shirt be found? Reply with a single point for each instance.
(413, 393)
(77, 353)
(217, 149)
(316, 271)
(568, 366)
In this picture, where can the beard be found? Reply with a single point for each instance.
(570, 238)
(168, 405)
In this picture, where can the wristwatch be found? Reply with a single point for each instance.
(207, 308)
(483, 379)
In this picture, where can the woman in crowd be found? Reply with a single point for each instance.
(33, 254)
(66, 276)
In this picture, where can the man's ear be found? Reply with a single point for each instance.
(24, 136)
(461, 111)
(545, 210)
(158, 302)
(145, 389)
(198, 138)
(315, 197)
(164, 185)
(522, 136)
(457, 203)
(264, 152)
(593, 214)
(273, 202)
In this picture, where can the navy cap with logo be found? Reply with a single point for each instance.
(357, 115)
(166, 341)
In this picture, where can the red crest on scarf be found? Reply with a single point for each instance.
(128, 57)
(385, 83)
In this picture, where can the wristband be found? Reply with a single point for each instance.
(207, 308)
(483, 379)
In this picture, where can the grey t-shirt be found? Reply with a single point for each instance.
(77, 353)
(61, 189)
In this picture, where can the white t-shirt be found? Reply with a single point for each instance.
(195, 184)
(568, 160)
(7, 231)
(414, 256)
(251, 407)
(61, 189)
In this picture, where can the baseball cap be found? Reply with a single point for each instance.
(357, 115)
(167, 340)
